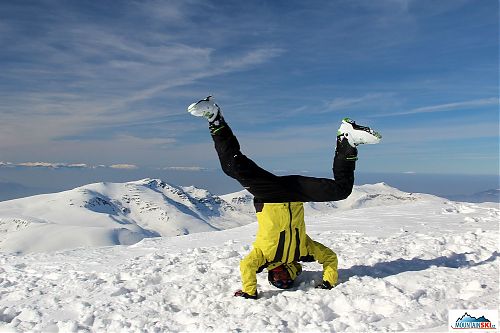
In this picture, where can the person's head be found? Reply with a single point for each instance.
(283, 276)
(280, 277)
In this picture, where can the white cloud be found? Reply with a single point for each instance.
(345, 103)
(92, 76)
(170, 11)
(47, 165)
(251, 58)
(124, 166)
(53, 165)
(6, 164)
(185, 168)
(447, 107)
(440, 132)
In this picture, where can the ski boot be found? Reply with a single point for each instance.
(350, 135)
(206, 108)
(209, 110)
(357, 134)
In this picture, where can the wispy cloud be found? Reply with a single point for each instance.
(252, 58)
(341, 103)
(211, 68)
(477, 103)
(124, 166)
(185, 168)
(109, 81)
(57, 165)
(85, 75)
(440, 132)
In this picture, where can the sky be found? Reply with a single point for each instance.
(107, 83)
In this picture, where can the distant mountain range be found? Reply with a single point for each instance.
(11, 190)
(112, 213)
(492, 195)
(104, 214)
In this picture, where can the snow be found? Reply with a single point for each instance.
(105, 214)
(404, 261)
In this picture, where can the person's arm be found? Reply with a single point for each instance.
(248, 267)
(327, 258)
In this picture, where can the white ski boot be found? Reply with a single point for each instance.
(357, 134)
(205, 108)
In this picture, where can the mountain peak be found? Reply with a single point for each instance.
(114, 213)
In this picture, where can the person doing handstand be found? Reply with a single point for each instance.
(281, 240)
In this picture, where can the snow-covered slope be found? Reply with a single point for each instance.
(363, 196)
(105, 214)
(404, 261)
(110, 214)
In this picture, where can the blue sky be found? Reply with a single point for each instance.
(108, 82)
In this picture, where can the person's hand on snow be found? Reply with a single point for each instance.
(324, 285)
(241, 293)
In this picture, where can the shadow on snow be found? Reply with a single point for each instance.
(385, 269)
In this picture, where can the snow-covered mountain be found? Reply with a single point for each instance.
(492, 195)
(110, 214)
(404, 260)
(104, 214)
(363, 196)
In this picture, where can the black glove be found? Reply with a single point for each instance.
(324, 285)
(243, 294)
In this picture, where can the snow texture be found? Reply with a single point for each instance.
(404, 261)
(112, 214)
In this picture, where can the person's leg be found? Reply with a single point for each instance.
(264, 185)
(233, 162)
(267, 187)
(349, 136)
(302, 188)
(271, 188)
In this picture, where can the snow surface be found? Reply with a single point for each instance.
(112, 214)
(404, 261)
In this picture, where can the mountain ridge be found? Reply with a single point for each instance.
(104, 214)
